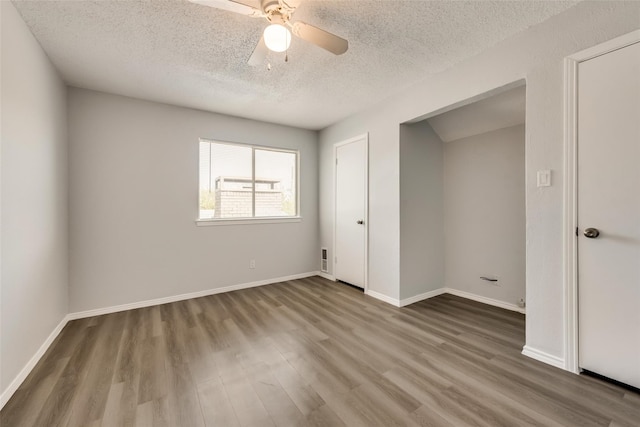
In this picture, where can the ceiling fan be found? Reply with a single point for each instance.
(277, 36)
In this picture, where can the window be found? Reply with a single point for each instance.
(240, 181)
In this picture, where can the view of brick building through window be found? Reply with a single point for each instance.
(233, 197)
(228, 190)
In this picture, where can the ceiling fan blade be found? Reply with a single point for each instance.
(259, 54)
(331, 42)
(231, 6)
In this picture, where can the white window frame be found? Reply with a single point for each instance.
(252, 219)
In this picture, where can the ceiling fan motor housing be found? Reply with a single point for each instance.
(270, 5)
(277, 11)
(280, 12)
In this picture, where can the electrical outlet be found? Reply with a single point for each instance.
(252, 263)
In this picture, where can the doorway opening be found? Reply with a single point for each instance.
(462, 201)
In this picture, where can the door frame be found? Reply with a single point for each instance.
(364, 136)
(570, 199)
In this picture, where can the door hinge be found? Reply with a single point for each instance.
(577, 232)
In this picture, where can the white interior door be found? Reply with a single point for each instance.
(609, 202)
(351, 212)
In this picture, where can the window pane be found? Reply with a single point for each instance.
(276, 183)
(225, 181)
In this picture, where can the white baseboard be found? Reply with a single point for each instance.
(383, 297)
(421, 297)
(484, 300)
(401, 303)
(182, 297)
(26, 370)
(10, 390)
(543, 357)
(436, 292)
(326, 276)
(18, 380)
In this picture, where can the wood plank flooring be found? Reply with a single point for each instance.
(307, 352)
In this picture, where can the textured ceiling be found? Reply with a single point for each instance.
(195, 56)
(493, 113)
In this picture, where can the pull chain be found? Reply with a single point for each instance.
(286, 52)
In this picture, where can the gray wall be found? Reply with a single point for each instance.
(535, 55)
(134, 199)
(421, 210)
(34, 255)
(384, 183)
(484, 211)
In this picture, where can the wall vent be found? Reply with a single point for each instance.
(323, 260)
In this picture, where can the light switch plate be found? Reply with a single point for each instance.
(544, 178)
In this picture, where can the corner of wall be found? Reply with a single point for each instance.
(34, 230)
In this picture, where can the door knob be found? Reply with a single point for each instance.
(360, 222)
(591, 233)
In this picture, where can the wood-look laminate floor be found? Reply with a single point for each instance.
(308, 352)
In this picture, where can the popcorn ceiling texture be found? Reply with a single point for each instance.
(191, 55)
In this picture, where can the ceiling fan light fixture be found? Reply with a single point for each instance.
(277, 37)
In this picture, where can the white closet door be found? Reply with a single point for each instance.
(609, 204)
(351, 205)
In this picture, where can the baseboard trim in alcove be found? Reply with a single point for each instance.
(435, 293)
(485, 300)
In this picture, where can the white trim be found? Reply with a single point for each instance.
(570, 211)
(15, 384)
(326, 275)
(543, 357)
(382, 297)
(421, 297)
(182, 297)
(570, 218)
(26, 370)
(484, 300)
(364, 136)
(606, 47)
(247, 221)
(440, 291)
(253, 182)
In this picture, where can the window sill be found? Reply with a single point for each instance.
(247, 221)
